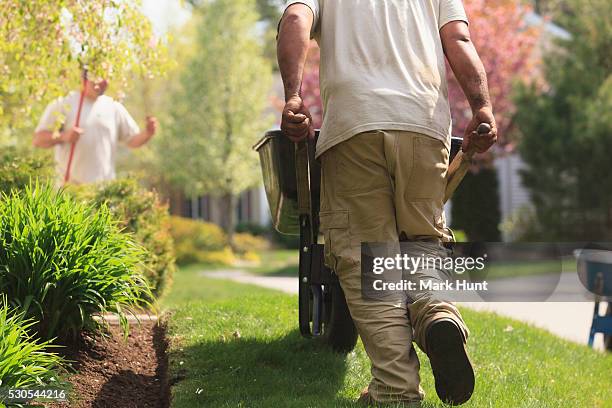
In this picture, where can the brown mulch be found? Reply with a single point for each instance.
(111, 372)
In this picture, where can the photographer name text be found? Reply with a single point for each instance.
(430, 285)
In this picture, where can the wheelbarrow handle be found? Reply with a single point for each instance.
(460, 164)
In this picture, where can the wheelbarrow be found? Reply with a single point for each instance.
(595, 273)
(292, 180)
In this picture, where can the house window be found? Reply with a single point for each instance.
(245, 207)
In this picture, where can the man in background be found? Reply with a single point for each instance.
(384, 151)
(104, 123)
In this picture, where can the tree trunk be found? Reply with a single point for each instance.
(228, 220)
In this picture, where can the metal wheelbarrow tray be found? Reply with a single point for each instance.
(292, 180)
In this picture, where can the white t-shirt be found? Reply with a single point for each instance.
(382, 66)
(105, 123)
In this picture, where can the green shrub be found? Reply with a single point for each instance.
(224, 257)
(62, 262)
(18, 167)
(522, 225)
(198, 241)
(195, 240)
(140, 213)
(244, 242)
(23, 360)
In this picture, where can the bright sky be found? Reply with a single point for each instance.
(165, 14)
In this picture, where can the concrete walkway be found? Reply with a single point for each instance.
(285, 284)
(569, 320)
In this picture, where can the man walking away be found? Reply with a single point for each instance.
(384, 149)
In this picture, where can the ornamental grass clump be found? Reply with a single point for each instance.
(62, 263)
(24, 361)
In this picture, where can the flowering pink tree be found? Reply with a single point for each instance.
(507, 49)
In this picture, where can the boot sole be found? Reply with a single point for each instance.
(451, 366)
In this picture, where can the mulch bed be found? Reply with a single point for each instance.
(111, 372)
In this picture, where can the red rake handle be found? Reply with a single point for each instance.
(76, 124)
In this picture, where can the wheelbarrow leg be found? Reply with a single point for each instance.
(310, 293)
(594, 324)
(317, 309)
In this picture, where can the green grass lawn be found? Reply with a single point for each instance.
(235, 345)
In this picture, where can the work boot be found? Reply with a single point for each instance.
(366, 400)
(450, 362)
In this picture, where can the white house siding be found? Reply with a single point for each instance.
(253, 207)
(448, 208)
(262, 208)
(512, 194)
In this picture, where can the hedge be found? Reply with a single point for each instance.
(140, 213)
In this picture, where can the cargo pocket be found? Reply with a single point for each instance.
(335, 228)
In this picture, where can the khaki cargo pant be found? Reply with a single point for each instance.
(376, 187)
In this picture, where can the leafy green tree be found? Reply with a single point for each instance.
(153, 97)
(567, 129)
(475, 206)
(268, 10)
(218, 112)
(44, 43)
(269, 14)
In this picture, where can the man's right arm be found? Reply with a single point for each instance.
(472, 77)
(47, 138)
(292, 50)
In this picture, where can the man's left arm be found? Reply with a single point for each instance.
(472, 77)
(128, 131)
(145, 135)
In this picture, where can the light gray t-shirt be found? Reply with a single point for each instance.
(382, 66)
(105, 123)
